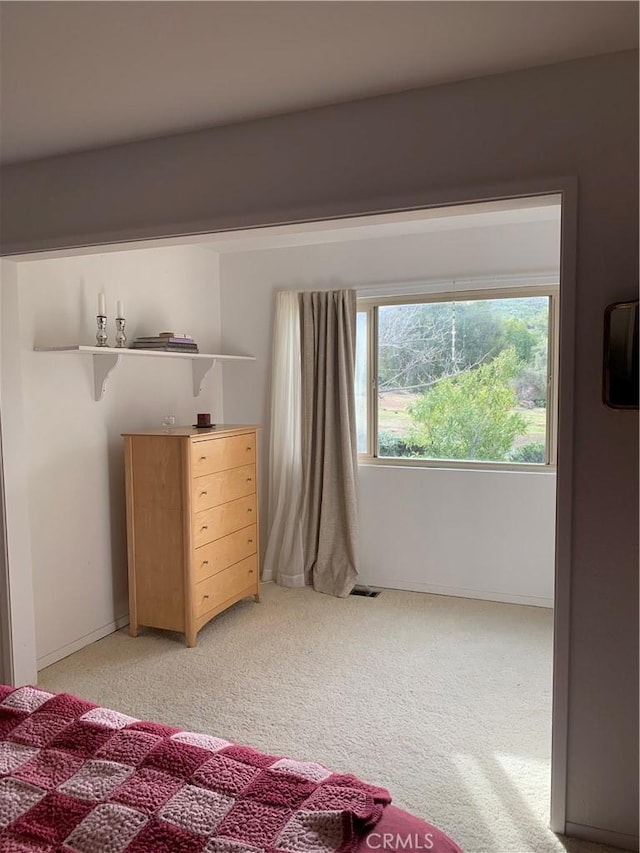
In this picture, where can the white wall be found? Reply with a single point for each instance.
(75, 460)
(19, 616)
(478, 533)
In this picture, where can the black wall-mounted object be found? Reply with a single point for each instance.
(620, 379)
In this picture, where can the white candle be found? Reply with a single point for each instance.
(120, 309)
(102, 305)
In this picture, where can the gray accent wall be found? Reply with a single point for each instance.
(577, 120)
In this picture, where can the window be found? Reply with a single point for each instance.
(461, 378)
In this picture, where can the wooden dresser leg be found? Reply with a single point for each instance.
(256, 595)
(190, 639)
(133, 628)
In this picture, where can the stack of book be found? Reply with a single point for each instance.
(166, 342)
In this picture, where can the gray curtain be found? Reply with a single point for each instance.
(329, 449)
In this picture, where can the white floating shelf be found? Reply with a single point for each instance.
(106, 358)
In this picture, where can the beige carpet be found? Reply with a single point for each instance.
(444, 701)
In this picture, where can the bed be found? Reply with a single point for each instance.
(79, 778)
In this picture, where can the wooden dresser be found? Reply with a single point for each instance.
(192, 525)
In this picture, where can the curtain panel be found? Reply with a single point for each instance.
(284, 560)
(313, 518)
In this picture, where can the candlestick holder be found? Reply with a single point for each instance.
(121, 338)
(101, 334)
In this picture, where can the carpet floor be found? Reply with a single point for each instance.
(444, 701)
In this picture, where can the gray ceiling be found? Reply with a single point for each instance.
(79, 75)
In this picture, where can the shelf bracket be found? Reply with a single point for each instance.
(201, 367)
(103, 364)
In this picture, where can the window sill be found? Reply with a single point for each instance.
(451, 465)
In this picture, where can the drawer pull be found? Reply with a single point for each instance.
(249, 541)
(203, 494)
(250, 571)
(248, 480)
(248, 448)
(204, 527)
(203, 459)
(250, 509)
(205, 563)
(205, 597)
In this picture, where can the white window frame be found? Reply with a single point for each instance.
(370, 305)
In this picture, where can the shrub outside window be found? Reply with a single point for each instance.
(458, 378)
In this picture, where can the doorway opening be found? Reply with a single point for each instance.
(225, 270)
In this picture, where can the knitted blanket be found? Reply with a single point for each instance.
(78, 778)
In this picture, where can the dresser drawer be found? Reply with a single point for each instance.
(216, 489)
(214, 591)
(219, 521)
(219, 454)
(218, 555)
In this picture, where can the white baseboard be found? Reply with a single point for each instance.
(81, 642)
(456, 591)
(602, 836)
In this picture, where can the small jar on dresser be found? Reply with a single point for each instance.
(192, 525)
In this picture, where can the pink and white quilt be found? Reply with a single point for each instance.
(78, 778)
